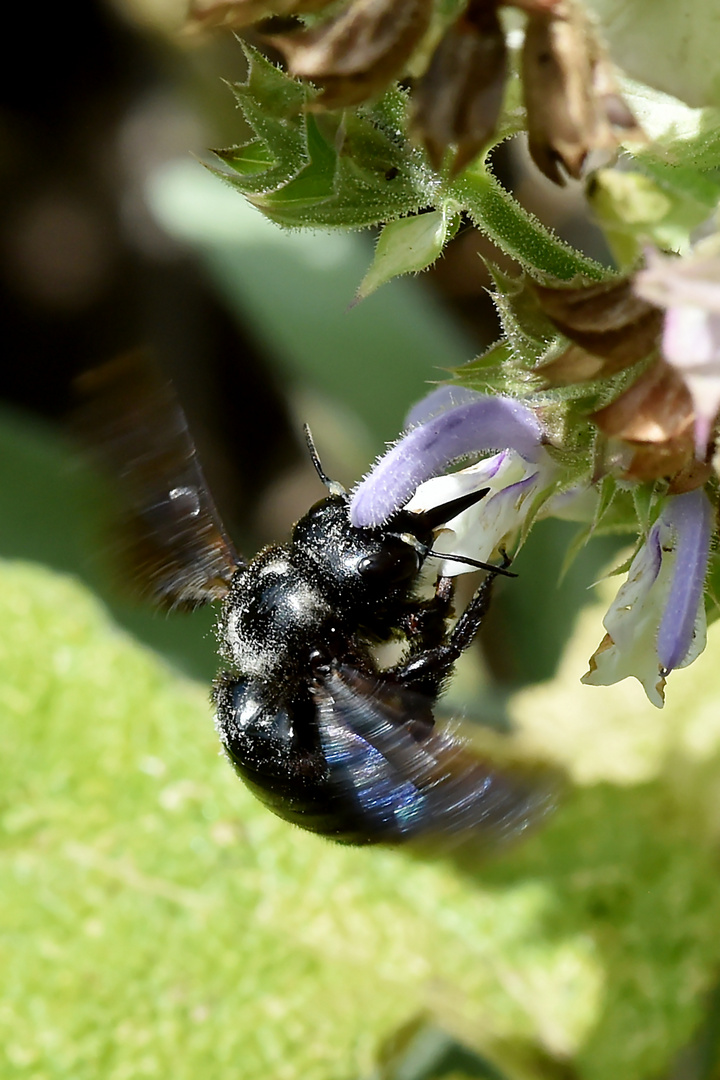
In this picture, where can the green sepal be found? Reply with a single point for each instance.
(408, 245)
(606, 491)
(498, 370)
(645, 501)
(531, 335)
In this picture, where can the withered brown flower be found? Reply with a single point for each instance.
(358, 52)
(573, 105)
(610, 326)
(457, 100)
(239, 13)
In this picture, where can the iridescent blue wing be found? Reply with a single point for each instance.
(410, 777)
(171, 539)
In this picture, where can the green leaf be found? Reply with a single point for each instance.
(682, 134)
(635, 208)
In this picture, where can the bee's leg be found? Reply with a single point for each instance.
(424, 623)
(426, 670)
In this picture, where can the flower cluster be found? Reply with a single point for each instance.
(571, 97)
(659, 427)
(657, 621)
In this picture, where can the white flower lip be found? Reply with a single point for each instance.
(490, 525)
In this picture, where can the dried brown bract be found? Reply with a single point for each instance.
(610, 326)
(236, 14)
(655, 409)
(533, 7)
(356, 54)
(574, 365)
(573, 105)
(457, 100)
(599, 307)
(655, 417)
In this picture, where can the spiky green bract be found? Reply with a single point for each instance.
(358, 168)
(348, 170)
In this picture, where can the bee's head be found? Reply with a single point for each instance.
(369, 564)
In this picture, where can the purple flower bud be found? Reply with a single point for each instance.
(473, 427)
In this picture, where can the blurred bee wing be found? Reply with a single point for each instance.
(412, 778)
(174, 542)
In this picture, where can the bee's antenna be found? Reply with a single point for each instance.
(333, 486)
(473, 562)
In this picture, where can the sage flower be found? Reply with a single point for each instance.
(476, 425)
(657, 621)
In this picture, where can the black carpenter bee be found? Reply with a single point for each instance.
(321, 734)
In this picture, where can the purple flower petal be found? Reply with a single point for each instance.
(439, 400)
(691, 518)
(474, 427)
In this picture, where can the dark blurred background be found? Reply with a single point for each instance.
(113, 236)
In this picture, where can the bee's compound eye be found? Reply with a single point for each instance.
(390, 564)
